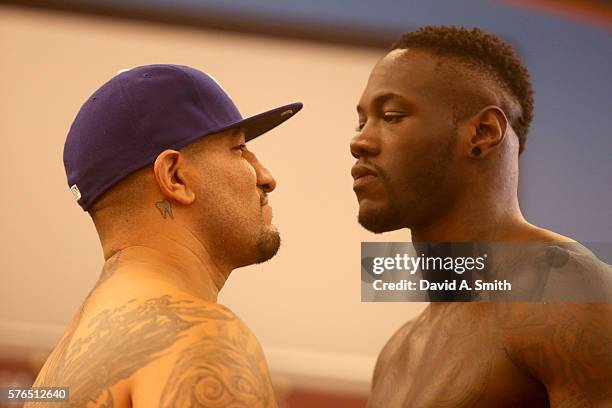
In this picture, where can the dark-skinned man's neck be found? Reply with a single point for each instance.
(488, 221)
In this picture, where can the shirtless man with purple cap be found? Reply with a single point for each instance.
(158, 158)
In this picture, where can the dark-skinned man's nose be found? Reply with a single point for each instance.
(364, 144)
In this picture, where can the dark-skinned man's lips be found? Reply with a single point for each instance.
(363, 175)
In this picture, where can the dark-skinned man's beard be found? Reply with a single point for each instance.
(386, 219)
(419, 194)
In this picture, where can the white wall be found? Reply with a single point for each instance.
(304, 305)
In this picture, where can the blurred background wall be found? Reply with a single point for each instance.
(304, 305)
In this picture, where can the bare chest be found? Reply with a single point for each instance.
(452, 362)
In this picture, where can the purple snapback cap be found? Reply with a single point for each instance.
(140, 113)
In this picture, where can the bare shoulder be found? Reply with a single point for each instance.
(574, 273)
(546, 271)
(533, 233)
(392, 347)
(569, 257)
(566, 346)
(156, 346)
(216, 361)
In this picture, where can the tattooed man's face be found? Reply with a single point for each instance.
(232, 188)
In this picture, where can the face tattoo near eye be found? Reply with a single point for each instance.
(442, 121)
(179, 202)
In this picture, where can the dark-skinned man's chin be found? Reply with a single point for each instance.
(379, 220)
(268, 244)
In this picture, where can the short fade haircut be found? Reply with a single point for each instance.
(487, 52)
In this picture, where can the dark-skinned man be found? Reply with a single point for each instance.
(442, 121)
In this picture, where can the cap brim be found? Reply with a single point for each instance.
(261, 123)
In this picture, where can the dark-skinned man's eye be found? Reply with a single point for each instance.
(393, 117)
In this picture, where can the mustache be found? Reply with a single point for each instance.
(379, 170)
(263, 198)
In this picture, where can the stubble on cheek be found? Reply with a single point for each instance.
(268, 241)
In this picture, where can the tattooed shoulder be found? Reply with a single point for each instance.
(566, 346)
(222, 366)
(116, 344)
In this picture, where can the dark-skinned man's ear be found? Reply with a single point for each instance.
(489, 132)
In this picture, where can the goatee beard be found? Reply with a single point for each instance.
(381, 221)
(268, 244)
